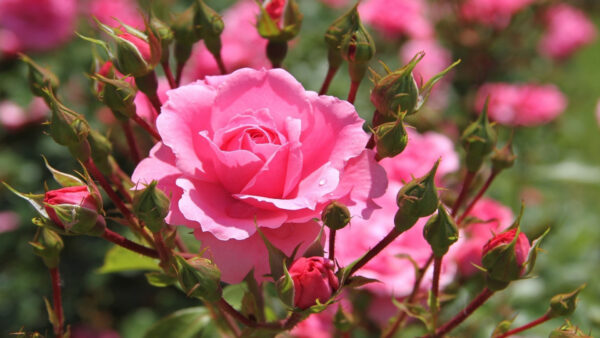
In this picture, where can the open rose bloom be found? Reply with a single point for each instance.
(254, 149)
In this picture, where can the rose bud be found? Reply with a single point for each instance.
(151, 205)
(390, 138)
(504, 257)
(313, 280)
(39, 78)
(335, 215)
(440, 232)
(75, 209)
(209, 26)
(358, 48)
(419, 197)
(335, 35)
(478, 140)
(48, 245)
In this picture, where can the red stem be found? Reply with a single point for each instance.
(179, 73)
(58, 309)
(119, 240)
(375, 250)
(330, 74)
(169, 74)
(153, 97)
(352, 93)
(463, 192)
(91, 167)
(135, 153)
(527, 326)
(142, 123)
(220, 63)
(482, 191)
(435, 288)
(332, 244)
(461, 316)
(116, 181)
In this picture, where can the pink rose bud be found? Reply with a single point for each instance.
(504, 258)
(275, 9)
(75, 209)
(521, 247)
(142, 46)
(313, 280)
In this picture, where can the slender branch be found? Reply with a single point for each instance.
(142, 123)
(482, 191)
(117, 182)
(179, 73)
(353, 90)
(169, 74)
(131, 142)
(96, 174)
(463, 192)
(285, 324)
(119, 240)
(156, 104)
(375, 250)
(163, 252)
(330, 74)
(527, 326)
(220, 63)
(331, 244)
(435, 289)
(57, 299)
(466, 312)
(180, 244)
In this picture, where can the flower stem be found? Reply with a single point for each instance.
(435, 290)
(117, 182)
(331, 244)
(57, 299)
(482, 191)
(353, 90)
(463, 192)
(96, 174)
(465, 313)
(179, 73)
(527, 326)
(375, 250)
(135, 153)
(169, 74)
(146, 126)
(119, 240)
(220, 63)
(330, 74)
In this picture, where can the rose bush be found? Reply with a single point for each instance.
(254, 148)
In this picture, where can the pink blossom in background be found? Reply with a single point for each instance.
(126, 11)
(398, 17)
(9, 221)
(496, 13)
(14, 117)
(242, 46)
(38, 24)
(10, 45)
(521, 104)
(397, 274)
(255, 146)
(143, 106)
(567, 30)
(493, 218)
(83, 331)
(320, 325)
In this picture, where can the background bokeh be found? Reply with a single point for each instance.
(557, 175)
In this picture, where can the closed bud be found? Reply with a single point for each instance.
(75, 209)
(358, 48)
(396, 92)
(403, 222)
(563, 305)
(279, 20)
(504, 257)
(40, 79)
(165, 36)
(199, 278)
(390, 138)
(440, 231)
(118, 95)
(335, 34)
(419, 197)
(209, 26)
(101, 150)
(314, 281)
(568, 330)
(48, 245)
(68, 128)
(503, 158)
(151, 205)
(478, 140)
(335, 215)
(185, 35)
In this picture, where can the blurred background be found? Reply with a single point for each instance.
(557, 173)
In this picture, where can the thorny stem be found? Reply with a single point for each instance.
(119, 240)
(482, 191)
(527, 326)
(131, 142)
(375, 250)
(353, 90)
(169, 74)
(57, 299)
(463, 192)
(332, 244)
(146, 126)
(330, 74)
(466, 312)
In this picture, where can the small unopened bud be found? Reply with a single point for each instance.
(118, 95)
(199, 278)
(101, 149)
(396, 92)
(151, 205)
(568, 330)
(390, 138)
(504, 257)
(75, 209)
(185, 35)
(478, 140)
(314, 281)
(335, 215)
(440, 231)
(419, 197)
(40, 78)
(503, 158)
(335, 35)
(358, 48)
(164, 34)
(279, 20)
(48, 246)
(563, 305)
(68, 128)
(209, 26)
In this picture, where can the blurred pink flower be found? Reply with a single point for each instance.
(320, 325)
(493, 217)
(9, 221)
(108, 11)
(83, 331)
(14, 117)
(397, 17)
(242, 46)
(521, 104)
(567, 30)
(10, 45)
(38, 24)
(143, 106)
(496, 13)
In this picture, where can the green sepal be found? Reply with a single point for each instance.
(441, 232)
(568, 330)
(501, 264)
(358, 281)
(425, 90)
(199, 278)
(335, 215)
(52, 317)
(315, 249)
(253, 301)
(36, 200)
(533, 252)
(61, 178)
(390, 138)
(478, 139)
(151, 205)
(563, 305)
(285, 287)
(40, 78)
(118, 95)
(48, 244)
(503, 327)
(160, 279)
(276, 257)
(419, 197)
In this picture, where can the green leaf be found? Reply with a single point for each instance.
(426, 89)
(254, 297)
(234, 293)
(356, 281)
(415, 311)
(315, 249)
(276, 257)
(187, 323)
(63, 179)
(503, 327)
(159, 279)
(530, 263)
(119, 259)
(51, 315)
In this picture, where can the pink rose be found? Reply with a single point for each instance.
(398, 17)
(10, 45)
(38, 24)
(567, 30)
(320, 325)
(143, 106)
(313, 280)
(522, 245)
(242, 46)
(14, 117)
(497, 13)
(493, 216)
(9, 221)
(76, 196)
(126, 11)
(521, 105)
(254, 148)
